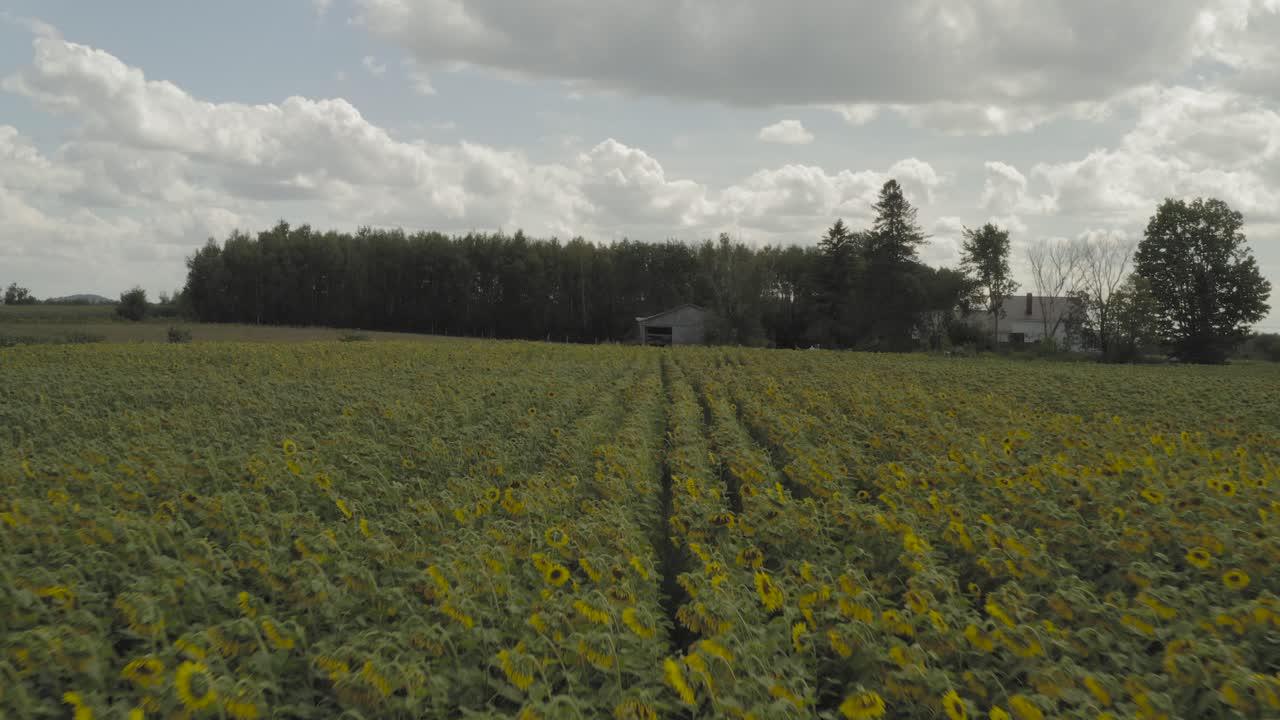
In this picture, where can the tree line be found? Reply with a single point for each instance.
(855, 289)
(1190, 288)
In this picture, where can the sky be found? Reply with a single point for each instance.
(131, 132)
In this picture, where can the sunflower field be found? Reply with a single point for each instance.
(484, 529)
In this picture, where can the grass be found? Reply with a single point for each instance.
(41, 324)
(57, 314)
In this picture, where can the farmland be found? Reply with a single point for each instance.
(510, 529)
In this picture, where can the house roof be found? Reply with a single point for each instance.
(1015, 307)
(675, 309)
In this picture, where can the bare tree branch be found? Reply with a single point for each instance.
(1104, 265)
(1056, 271)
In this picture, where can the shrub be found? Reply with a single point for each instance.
(179, 335)
(961, 333)
(133, 304)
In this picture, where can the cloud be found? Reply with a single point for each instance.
(150, 171)
(322, 7)
(374, 67)
(793, 197)
(945, 237)
(964, 118)
(786, 132)
(24, 167)
(1005, 192)
(857, 114)
(419, 78)
(1185, 142)
(628, 186)
(981, 52)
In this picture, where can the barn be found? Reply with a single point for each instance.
(682, 325)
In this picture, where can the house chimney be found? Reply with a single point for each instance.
(1028, 303)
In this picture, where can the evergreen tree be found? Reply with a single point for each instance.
(896, 234)
(834, 320)
(892, 294)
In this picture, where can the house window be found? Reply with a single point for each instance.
(1017, 338)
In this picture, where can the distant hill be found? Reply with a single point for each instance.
(82, 299)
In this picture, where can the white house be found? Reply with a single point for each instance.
(1028, 318)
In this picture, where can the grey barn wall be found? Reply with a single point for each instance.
(688, 325)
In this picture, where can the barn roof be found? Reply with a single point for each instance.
(675, 309)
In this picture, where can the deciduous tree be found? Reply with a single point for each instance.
(985, 255)
(1204, 279)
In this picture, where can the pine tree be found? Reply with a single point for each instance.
(892, 296)
(896, 234)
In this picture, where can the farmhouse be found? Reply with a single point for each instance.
(682, 325)
(1026, 318)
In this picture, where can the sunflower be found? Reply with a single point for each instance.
(1200, 557)
(954, 706)
(999, 713)
(634, 710)
(1235, 579)
(458, 615)
(591, 613)
(242, 709)
(723, 519)
(839, 644)
(508, 662)
(556, 537)
(770, 594)
(716, 650)
(750, 557)
(289, 447)
(1228, 488)
(798, 631)
(195, 674)
(145, 672)
(601, 659)
(1096, 689)
(1155, 497)
(76, 701)
(631, 619)
(782, 692)
(865, 705)
(555, 574)
(939, 622)
(278, 640)
(245, 602)
(675, 678)
(1024, 709)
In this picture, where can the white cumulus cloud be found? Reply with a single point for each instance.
(786, 132)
